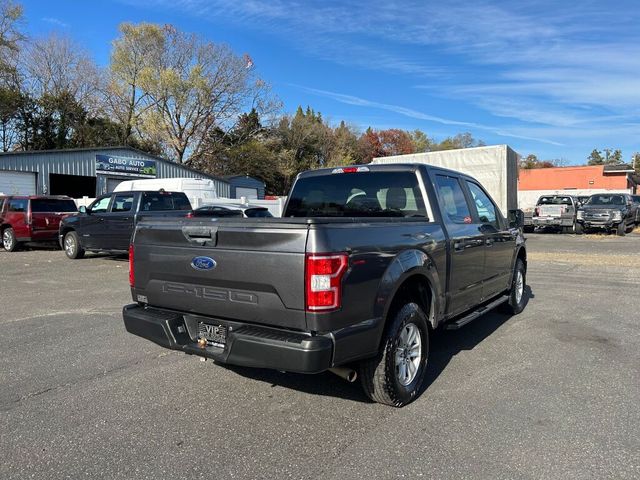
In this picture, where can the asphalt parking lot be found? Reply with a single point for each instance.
(551, 393)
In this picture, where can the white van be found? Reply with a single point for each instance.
(199, 191)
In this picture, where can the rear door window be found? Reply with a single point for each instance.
(52, 205)
(362, 194)
(18, 205)
(453, 203)
(162, 201)
(122, 202)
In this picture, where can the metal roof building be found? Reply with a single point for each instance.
(87, 171)
(246, 186)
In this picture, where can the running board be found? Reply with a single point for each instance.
(461, 322)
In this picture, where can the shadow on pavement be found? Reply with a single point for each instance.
(445, 344)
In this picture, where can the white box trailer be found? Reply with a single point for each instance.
(495, 166)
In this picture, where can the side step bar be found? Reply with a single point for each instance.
(461, 322)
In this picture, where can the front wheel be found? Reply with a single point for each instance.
(72, 247)
(395, 376)
(621, 229)
(516, 301)
(9, 241)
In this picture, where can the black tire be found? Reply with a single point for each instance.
(517, 300)
(579, 229)
(528, 229)
(621, 229)
(379, 376)
(72, 246)
(9, 241)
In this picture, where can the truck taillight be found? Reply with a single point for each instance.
(132, 276)
(323, 281)
(537, 211)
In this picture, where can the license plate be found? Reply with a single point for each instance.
(215, 335)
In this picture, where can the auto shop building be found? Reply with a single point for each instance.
(87, 172)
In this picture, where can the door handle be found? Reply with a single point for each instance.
(201, 235)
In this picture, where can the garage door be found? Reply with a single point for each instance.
(246, 192)
(17, 183)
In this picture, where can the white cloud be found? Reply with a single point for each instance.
(55, 21)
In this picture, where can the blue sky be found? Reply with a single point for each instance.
(552, 78)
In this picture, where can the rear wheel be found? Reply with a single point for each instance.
(9, 241)
(395, 376)
(516, 302)
(72, 247)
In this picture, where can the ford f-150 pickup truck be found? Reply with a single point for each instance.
(366, 262)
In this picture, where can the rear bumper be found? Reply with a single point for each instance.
(246, 345)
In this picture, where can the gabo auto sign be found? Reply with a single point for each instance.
(125, 166)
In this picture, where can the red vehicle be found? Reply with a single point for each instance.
(33, 218)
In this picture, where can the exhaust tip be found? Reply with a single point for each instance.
(348, 374)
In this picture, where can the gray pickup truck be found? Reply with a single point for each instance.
(366, 262)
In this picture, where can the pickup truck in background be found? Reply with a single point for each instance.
(108, 223)
(32, 219)
(615, 212)
(366, 262)
(557, 211)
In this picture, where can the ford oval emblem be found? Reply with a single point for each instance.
(203, 263)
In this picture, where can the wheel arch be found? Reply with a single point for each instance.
(411, 276)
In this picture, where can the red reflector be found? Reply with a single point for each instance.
(349, 169)
(323, 281)
(131, 273)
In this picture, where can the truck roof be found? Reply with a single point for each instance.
(381, 167)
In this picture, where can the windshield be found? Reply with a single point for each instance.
(605, 200)
(554, 201)
(51, 205)
(363, 194)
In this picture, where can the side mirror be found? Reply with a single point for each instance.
(84, 209)
(516, 218)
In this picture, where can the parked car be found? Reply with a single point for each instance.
(365, 263)
(232, 210)
(636, 202)
(557, 211)
(32, 218)
(608, 211)
(107, 224)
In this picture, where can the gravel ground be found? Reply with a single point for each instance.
(550, 393)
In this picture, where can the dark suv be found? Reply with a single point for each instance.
(33, 218)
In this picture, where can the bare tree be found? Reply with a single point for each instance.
(196, 86)
(56, 65)
(11, 37)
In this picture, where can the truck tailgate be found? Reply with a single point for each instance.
(256, 273)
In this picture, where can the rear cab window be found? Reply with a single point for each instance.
(555, 201)
(53, 205)
(361, 194)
